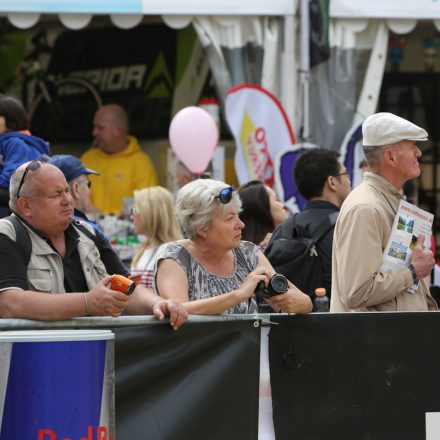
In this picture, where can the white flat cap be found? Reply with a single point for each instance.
(385, 128)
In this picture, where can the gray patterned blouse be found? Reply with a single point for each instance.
(204, 284)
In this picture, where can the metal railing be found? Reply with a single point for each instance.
(123, 321)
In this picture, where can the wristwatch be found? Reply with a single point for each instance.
(413, 273)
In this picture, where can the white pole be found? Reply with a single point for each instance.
(305, 69)
(289, 77)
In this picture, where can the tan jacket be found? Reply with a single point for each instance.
(361, 235)
(45, 269)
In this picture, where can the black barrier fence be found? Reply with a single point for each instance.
(355, 376)
(333, 376)
(200, 382)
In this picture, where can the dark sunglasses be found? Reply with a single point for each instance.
(225, 195)
(33, 166)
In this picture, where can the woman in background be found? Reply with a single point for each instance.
(153, 216)
(261, 212)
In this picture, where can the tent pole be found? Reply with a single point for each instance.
(305, 70)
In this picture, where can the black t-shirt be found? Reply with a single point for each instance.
(13, 268)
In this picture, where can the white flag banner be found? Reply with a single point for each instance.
(261, 130)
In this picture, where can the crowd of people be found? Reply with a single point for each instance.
(206, 251)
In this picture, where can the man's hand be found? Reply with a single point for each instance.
(103, 301)
(422, 259)
(176, 311)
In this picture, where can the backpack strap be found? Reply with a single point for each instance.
(22, 238)
(325, 226)
(86, 232)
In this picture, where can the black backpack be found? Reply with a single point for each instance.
(295, 255)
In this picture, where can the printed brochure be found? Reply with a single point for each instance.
(409, 222)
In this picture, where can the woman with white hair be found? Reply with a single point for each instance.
(213, 271)
(153, 216)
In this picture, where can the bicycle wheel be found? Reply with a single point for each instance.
(68, 115)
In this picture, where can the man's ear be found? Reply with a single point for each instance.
(24, 207)
(331, 183)
(74, 189)
(389, 157)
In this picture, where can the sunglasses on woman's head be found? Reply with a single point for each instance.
(225, 195)
(32, 166)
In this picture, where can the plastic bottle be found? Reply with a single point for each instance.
(321, 302)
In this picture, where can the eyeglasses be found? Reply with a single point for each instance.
(87, 182)
(346, 173)
(134, 210)
(33, 166)
(225, 195)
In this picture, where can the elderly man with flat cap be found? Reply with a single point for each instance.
(365, 221)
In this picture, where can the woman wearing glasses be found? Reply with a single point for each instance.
(153, 216)
(213, 271)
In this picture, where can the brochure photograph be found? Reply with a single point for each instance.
(410, 221)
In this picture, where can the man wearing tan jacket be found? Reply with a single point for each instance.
(365, 221)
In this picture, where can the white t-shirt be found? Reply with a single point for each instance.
(145, 266)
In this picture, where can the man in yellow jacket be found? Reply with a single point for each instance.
(118, 158)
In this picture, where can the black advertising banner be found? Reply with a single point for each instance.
(136, 68)
(354, 376)
(200, 382)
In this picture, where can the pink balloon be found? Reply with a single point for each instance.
(193, 135)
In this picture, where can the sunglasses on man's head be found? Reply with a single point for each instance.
(32, 166)
(225, 195)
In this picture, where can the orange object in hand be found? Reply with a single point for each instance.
(122, 284)
(136, 278)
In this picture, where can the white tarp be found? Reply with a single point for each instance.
(403, 9)
(151, 7)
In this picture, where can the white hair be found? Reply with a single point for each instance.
(197, 203)
(29, 186)
(26, 189)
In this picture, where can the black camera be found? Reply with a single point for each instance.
(277, 285)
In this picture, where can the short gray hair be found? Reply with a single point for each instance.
(26, 189)
(196, 204)
(373, 155)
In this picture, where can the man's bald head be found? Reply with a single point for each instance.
(110, 128)
(32, 181)
(115, 114)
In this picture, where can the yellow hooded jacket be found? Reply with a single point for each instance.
(120, 175)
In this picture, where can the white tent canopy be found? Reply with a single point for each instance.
(388, 9)
(150, 7)
(128, 13)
